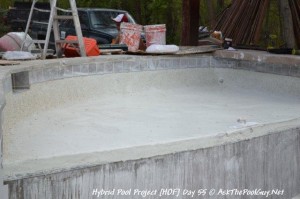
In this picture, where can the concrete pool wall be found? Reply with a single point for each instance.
(266, 156)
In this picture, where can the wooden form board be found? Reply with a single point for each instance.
(7, 63)
(187, 50)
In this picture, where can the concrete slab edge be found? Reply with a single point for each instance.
(67, 163)
(296, 197)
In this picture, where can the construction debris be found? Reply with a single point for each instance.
(243, 21)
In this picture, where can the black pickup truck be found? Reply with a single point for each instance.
(95, 23)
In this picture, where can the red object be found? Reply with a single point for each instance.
(72, 50)
(125, 19)
(121, 18)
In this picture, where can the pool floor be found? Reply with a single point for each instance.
(147, 117)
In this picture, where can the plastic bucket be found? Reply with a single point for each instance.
(72, 50)
(155, 34)
(131, 35)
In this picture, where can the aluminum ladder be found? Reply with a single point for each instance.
(54, 23)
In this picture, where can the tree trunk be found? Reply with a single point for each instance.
(190, 23)
(138, 9)
(211, 13)
(171, 32)
(287, 25)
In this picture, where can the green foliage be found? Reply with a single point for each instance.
(159, 10)
(4, 5)
(274, 26)
(3, 28)
(272, 33)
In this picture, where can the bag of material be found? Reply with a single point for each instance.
(13, 42)
(18, 55)
(160, 49)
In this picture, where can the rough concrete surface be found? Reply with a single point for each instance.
(97, 113)
(297, 197)
(267, 163)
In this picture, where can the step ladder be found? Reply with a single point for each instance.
(54, 23)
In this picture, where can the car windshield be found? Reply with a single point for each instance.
(104, 19)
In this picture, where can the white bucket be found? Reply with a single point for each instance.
(155, 34)
(131, 35)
